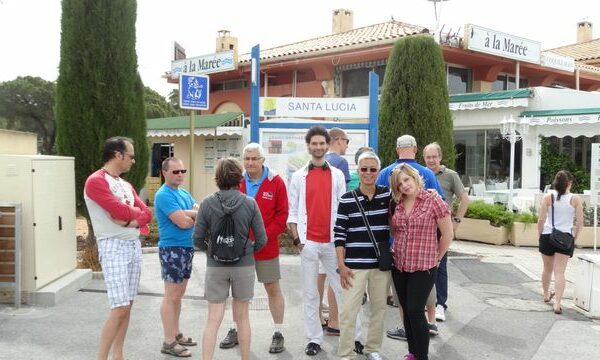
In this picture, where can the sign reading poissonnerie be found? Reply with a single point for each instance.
(193, 92)
(498, 43)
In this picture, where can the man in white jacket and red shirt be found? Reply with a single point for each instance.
(118, 217)
(314, 194)
(268, 190)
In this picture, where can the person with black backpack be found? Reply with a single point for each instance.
(229, 216)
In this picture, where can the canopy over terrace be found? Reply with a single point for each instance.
(216, 136)
(550, 112)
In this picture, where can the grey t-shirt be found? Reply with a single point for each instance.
(450, 183)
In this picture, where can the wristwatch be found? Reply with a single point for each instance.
(296, 241)
(456, 220)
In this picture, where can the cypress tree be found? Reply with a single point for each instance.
(99, 91)
(414, 99)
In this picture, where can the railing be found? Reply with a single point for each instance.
(10, 248)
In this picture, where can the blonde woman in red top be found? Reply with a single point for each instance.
(417, 251)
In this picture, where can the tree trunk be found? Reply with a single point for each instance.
(91, 250)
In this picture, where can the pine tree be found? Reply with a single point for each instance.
(414, 99)
(99, 91)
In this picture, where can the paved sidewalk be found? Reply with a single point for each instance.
(495, 312)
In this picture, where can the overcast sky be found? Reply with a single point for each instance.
(30, 29)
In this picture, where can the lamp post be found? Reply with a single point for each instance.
(438, 18)
(509, 128)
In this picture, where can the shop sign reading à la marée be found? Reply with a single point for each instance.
(501, 44)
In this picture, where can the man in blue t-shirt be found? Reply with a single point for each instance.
(337, 150)
(175, 211)
(406, 148)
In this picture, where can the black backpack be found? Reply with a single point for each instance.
(223, 246)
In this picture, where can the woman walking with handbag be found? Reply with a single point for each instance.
(417, 252)
(557, 234)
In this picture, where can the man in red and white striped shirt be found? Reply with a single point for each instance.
(118, 217)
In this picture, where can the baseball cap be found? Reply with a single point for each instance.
(405, 141)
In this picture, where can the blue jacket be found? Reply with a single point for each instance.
(429, 180)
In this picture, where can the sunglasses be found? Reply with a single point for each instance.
(346, 140)
(177, 172)
(368, 169)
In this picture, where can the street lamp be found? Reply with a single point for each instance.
(513, 131)
(438, 18)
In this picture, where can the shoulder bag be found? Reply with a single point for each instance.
(558, 239)
(382, 248)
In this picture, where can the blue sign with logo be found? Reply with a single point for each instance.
(193, 92)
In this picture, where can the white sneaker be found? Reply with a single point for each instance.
(440, 313)
(374, 356)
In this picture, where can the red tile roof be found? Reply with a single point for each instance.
(587, 52)
(378, 34)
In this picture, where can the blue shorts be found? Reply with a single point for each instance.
(175, 263)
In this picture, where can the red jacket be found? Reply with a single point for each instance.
(272, 201)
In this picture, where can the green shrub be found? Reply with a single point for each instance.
(496, 214)
(588, 216)
(526, 217)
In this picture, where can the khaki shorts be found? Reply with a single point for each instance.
(267, 271)
(219, 279)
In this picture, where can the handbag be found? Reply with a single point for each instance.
(382, 248)
(558, 239)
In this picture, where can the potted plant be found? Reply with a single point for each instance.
(586, 238)
(485, 223)
(524, 230)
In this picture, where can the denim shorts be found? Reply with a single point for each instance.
(175, 263)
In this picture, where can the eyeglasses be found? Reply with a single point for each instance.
(177, 172)
(252, 158)
(346, 140)
(368, 169)
(132, 157)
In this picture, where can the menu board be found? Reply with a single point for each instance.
(218, 148)
(286, 151)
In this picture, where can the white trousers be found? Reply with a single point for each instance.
(311, 254)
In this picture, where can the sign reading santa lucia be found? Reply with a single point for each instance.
(314, 107)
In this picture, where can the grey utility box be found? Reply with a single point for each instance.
(45, 187)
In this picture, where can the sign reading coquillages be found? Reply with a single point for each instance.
(559, 62)
(342, 108)
(207, 64)
(498, 43)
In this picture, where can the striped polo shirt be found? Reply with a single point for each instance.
(351, 232)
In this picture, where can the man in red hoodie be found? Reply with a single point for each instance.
(268, 189)
(118, 217)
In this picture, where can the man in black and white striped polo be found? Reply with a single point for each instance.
(357, 260)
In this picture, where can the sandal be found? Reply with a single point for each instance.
(188, 342)
(558, 311)
(550, 298)
(175, 349)
(325, 323)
